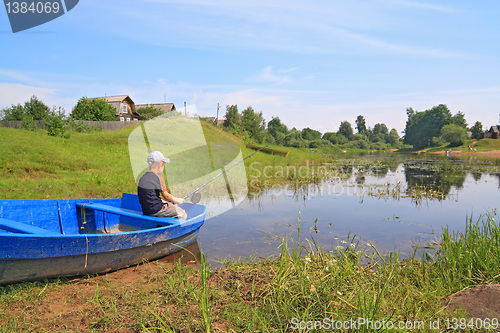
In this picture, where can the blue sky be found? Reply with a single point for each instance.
(313, 64)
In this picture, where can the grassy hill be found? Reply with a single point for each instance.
(87, 165)
(97, 164)
(479, 145)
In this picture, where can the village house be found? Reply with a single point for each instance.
(127, 110)
(124, 106)
(493, 133)
(165, 107)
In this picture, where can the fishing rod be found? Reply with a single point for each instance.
(196, 196)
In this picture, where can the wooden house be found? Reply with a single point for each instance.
(493, 133)
(165, 107)
(124, 106)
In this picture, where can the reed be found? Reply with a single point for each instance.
(471, 257)
(204, 296)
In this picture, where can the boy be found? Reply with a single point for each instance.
(152, 185)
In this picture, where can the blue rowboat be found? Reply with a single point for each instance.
(50, 238)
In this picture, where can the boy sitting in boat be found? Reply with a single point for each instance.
(151, 190)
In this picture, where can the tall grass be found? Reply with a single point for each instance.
(204, 297)
(470, 258)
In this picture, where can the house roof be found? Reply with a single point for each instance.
(166, 106)
(494, 129)
(112, 99)
(116, 101)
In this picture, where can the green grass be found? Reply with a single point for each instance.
(97, 164)
(480, 145)
(86, 165)
(466, 259)
(487, 145)
(304, 284)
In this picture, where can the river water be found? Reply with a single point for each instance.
(362, 207)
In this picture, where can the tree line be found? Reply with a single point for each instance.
(251, 124)
(423, 129)
(58, 123)
(437, 126)
(434, 127)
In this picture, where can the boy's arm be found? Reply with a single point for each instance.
(167, 196)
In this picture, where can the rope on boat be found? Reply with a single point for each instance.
(87, 252)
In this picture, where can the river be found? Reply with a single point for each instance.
(406, 202)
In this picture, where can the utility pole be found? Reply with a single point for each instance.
(185, 109)
(217, 118)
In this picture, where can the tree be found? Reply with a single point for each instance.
(393, 137)
(276, 128)
(253, 123)
(15, 112)
(477, 130)
(294, 139)
(421, 127)
(459, 119)
(56, 124)
(361, 124)
(310, 134)
(380, 133)
(345, 129)
(454, 134)
(233, 118)
(334, 138)
(149, 112)
(95, 109)
(34, 109)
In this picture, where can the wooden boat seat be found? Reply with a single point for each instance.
(129, 213)
(18, 227)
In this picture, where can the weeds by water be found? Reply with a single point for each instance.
(302, 289)
(472, 257)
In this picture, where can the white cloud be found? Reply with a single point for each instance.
(286, 26)
(270, 75)
(16, 93)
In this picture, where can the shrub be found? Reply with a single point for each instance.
(29, 124)
(149, 112)
(320, 143)
(56, 127)
(93, 109)
(297, 143)
(454, 134)
(437, 141)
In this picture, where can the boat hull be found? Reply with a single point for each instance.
(16, 270)
(50, 238)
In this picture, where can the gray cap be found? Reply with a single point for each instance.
(155, 157)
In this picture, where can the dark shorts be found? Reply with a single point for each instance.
(171, 210)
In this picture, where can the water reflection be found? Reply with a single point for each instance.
(372, 202)
(424, 173)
